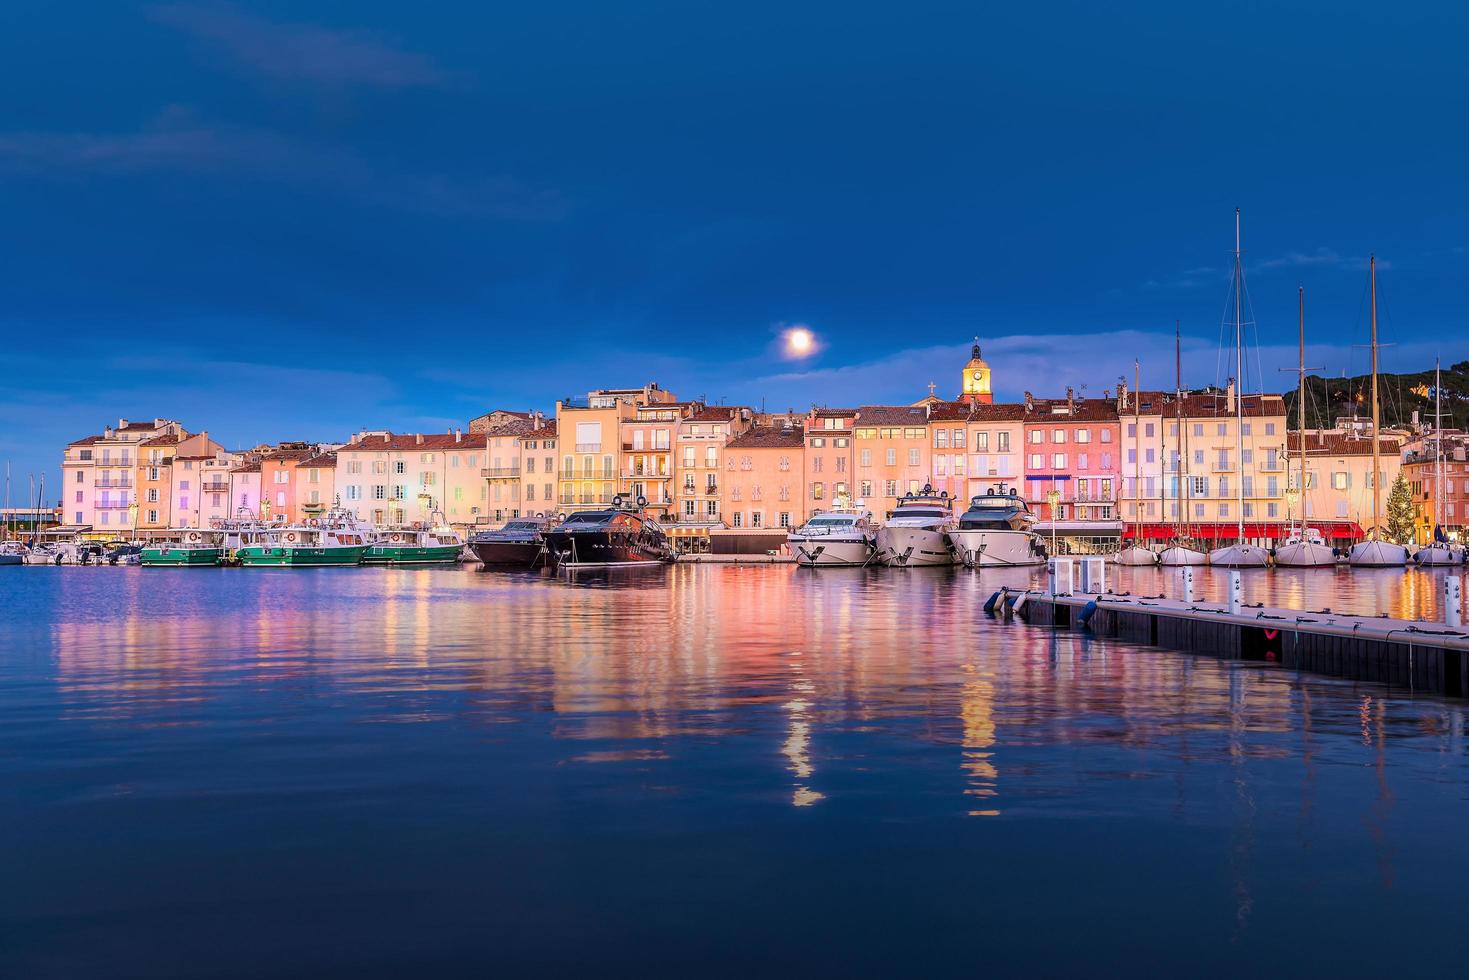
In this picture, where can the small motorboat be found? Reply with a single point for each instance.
(521, 543)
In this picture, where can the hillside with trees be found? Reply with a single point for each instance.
(1328, 399)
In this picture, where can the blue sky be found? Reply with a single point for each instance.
(291, 220)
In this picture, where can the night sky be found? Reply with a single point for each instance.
(294, 220)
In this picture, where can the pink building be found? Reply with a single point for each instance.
(828, 456)
(977, 447)
(1071, 449)
(198, 482)
(245, 490)
(764, 479)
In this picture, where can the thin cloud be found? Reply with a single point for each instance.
(177, 143)
(297, 52)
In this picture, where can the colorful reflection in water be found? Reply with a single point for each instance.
(701, 769)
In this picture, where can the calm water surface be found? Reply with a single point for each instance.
(727, 771)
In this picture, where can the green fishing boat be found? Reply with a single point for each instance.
(302, 547)
(195, 549)
(415, 546)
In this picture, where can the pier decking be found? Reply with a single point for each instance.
(1418, 655)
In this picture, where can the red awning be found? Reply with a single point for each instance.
(1228, 530)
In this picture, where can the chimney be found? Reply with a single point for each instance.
(418, 438)
(458, 436)
(1121, 394)
(122, 423)
(1229, 396)
(386, 437)
(1070, 399)
(1029, 402)
(107, 432)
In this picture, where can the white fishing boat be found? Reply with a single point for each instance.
(842, 536)
(1374, 552)
(1241, 554)
(12, 553)
(997, 531)
(917, 531)
(1304, 547)
(1440, 552)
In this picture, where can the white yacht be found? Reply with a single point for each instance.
(996, 531)
(1374, 552)
(1305, 548)
(917, 531)
(839, 537)
(1241, 554)
(1180, 552)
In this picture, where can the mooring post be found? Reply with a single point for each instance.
(1236, 592)
(1188, 583)
(1453, 601)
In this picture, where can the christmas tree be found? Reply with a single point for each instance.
(1400, 512)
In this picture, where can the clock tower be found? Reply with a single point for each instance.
(976, 387)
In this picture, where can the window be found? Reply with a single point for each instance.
(1081, 461)
(890, 488)
(1270, 428)
(865, 489)
(400, 467)
(913, 457)
(1037, 461)
(1244, 428)
(757, 519)
(1083, 435)
(785, 519)
(864, 458)
(1002, 442)
(982, 442)
(426, 478)
(738, 519)
(152, 517)
(818, 443)
(1106, 435)
(941, 438)
(818, 491)
(1058, 436)
(379, 492)
(711, 456)
(891, 457)
(1058, 461)
(1036, 436)
(1271, 509)
(815, 464)
(958, 438)
(784, 464)
(152, 495)
(79, 477)
(1341, 481)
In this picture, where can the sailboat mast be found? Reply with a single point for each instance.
(1137, 452)
(1376, 461)
(1239, 378)
(1301, 401)
(1184, 498)
(1437, 443)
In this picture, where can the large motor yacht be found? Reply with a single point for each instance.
(996, 531)
(839, 537)
(917, 531)
(520, 543)
(618, 535)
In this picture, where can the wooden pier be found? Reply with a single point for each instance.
(1421, 656)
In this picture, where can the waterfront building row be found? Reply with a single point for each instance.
(1145, 464)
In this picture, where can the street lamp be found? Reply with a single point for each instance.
(1292, 499)
(1053, 497)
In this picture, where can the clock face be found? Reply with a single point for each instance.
(978, 375)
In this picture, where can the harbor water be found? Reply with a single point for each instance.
(700, 771)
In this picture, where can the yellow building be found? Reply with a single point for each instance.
(539, 453)
(891, 456)
(100, 477)
(590, 432)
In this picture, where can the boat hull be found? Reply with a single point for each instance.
(1239, 556)
(12, 559)
(995, 548)
(821, 552)
(522, 553)
(1436, 555)
(603, 548)
(1305, 554)
(1136, 556)
(261, 556)
(1180, 557)
(909, 547)
(181, 557)
(412, 554)
(1377, 554)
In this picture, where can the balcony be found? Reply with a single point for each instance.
(589, 447)
(636, 474)
(113, 505)
(711, 490)
(113, 483)
(500, 472)
(1222, 466)
(214, 488)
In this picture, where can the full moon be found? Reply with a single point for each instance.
(799, 342)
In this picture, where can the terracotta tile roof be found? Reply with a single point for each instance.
(832, 413)
(717, 413)
(322, 461)
(963, 411)
(431, 442)
(892, 415)
(137, 426)
(546, 431)
(1335, 444)
(247, 468)
(1083, 410)
(288, 455)
(1216, 405)
(761, 437)
(514, 427)
(167, 439)
(89, 440)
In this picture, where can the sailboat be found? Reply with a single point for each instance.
(1305, 548)
(1240, 554)
(1135, 553)
(1182, 550)
(1440, 552)
(1374, 552)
